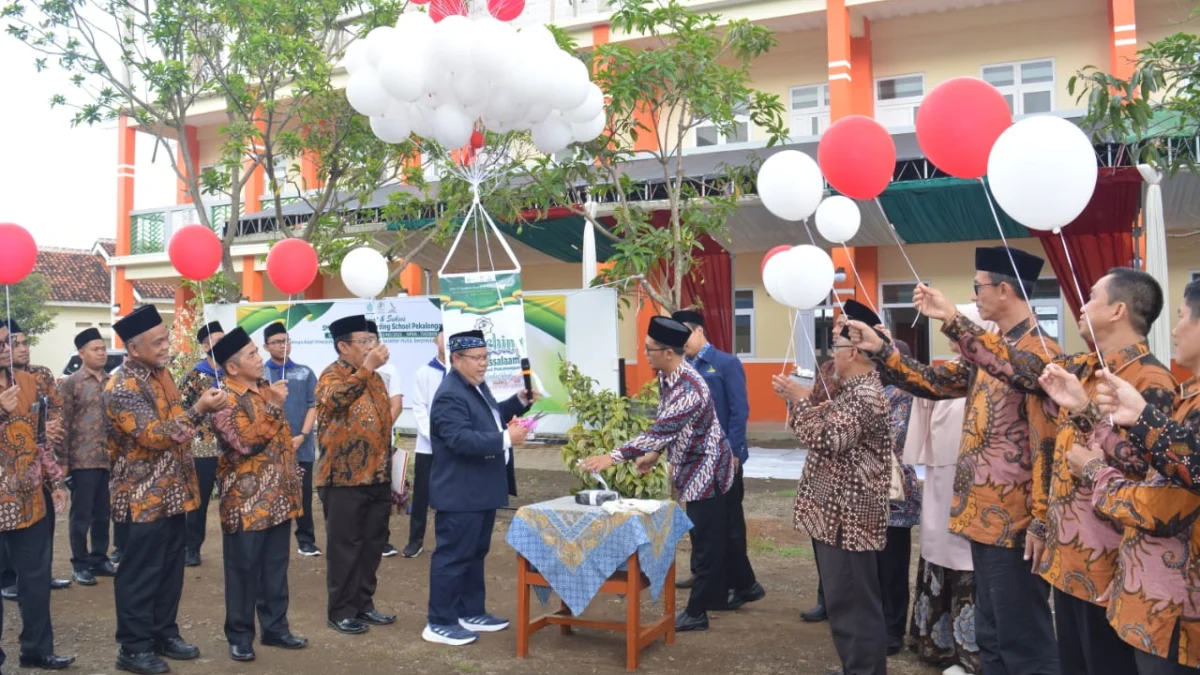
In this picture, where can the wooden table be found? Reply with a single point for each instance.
(628, 583)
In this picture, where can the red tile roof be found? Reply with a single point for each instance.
(77, 275)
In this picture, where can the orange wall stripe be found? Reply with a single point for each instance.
(189, 168)
(252, 280)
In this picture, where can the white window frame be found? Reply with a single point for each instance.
(906, 103)
(884, 306)
(744, 312)
(800, 120)
(722, 139)
(1017, 90)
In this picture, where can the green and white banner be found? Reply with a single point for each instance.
(491, 302)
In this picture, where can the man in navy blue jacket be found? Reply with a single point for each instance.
(726, 382)
(472, 476)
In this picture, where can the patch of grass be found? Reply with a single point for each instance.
(790, 494)
(768, 546)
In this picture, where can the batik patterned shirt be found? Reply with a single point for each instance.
(1081, 549)
(21, 461)
(1157, 579)
(191, 388)
(85, 443)
(354, 427)
(905, 513)
(842, 496)
(687, 431)
(993, 478)
(257, 469)
(149, 445)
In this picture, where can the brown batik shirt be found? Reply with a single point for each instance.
(85, 444)
(149, 445)
(191, 388)
(994, 474)
(1081, 549)
(257, 469)
(354, 427)
(22, 462)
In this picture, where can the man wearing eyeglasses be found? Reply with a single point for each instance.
(301, 412)
(354, 481)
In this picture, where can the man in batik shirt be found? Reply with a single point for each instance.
(687, 429)
(260, 494)
(153, 486)
(202, 377)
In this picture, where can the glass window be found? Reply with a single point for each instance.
(743, 322)
(1028, 86)
(909, 86)
(810, 110)
(706, 136)
(743, 299)
(999, 76)
(1035, 102)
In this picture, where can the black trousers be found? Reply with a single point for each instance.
(120, 533)
(1013, 627)
(29, 555)
(820, 584)
(420, 499)
(1149, 664)
(456, 581)
(356, 531)
(197, 521)
(305, 532)
(149, 583)
(90, 513)
(256, 566)
(710, 540)
(739, 573)
(894, 561)
(855, 608)
(8, 569)
(1087, 643)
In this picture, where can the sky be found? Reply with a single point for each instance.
(57, 181)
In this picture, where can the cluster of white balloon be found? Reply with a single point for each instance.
(437, 79)
(790, 186)
(365, 272)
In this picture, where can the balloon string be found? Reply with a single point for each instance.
(787, 351)
(12, 379)
(1012, 261)
(1079, 291)
(896, 236)
(808, 229)
(857, 282)
(287, 323)
(204, 316)
(812, 350)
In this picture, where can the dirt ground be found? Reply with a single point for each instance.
(764, 638)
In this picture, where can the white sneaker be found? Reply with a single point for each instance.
(455, 636)
(954, 670)
(484, 623)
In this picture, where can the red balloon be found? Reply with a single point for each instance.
(419, 2)
(506, 10)
(777, 249)
(195, 251)
(18, 253)
(959, 122)
(440, 9)
(857, 156)
(292, 265)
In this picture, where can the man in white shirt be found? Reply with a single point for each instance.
(428, 379)
(395, 397)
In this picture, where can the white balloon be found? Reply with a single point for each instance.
(412, 23)
(364, 272)
(530, 79)
(421, 119)
(379, 40)
(453, 40)
(393, 126)
(773, 274)
(552, 135)
(592, 105)
(355, 58)
(366, 95)
(403, 77)
(808, 276)
(571, 80)
(790, 185)
(838, 219)
(538, 113)
(503, 106)
(538, 35)
(495, 42)
(451, 127)
(470, 87)
(1043, 172)
(590, 130)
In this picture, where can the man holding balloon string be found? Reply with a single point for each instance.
(1004, 427)
(1073, 548)
(205, 449)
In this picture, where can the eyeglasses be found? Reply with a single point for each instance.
(477, 358)
(365, 341)
(978, 286)
(650, 350)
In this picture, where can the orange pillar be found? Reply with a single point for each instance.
(412, 279)
(254, 186)
(126, 157)
(862, 84)
(310, 180)
(1122, 38)
(837, 24)
(190, 166)
(645, 120)
(252, 280)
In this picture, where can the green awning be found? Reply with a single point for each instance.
(559, 238)
(942, 210)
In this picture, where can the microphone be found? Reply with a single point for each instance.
(527, 373)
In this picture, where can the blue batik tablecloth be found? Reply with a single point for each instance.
(577, 548)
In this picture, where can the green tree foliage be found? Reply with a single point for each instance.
(27, 305)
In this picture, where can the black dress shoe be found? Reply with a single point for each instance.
(686, 622)
(142, 663)
(9, 593)
(59, 584)
(376, 619)
(285, 641)
(116, 556)
(815, 614)
(241, 652)
(104, 569)
(51, 662)
(191, 559)
(84, 578)
(177, 649)
(349, 626)
(754, 593)
(686, 583)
